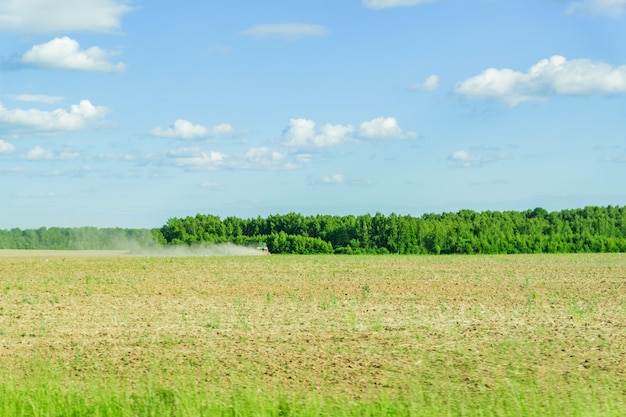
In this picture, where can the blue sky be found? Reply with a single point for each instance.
(129, 112)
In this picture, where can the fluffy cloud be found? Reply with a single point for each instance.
(39, 98)
(6, 147)
(76, 118)
(463, 158)
(301, 133)
(58, 16)
(38, 153)
(196, 158)
(553, 76)
(184, 129)
(384, 128)
(386, 4)
(612, 8)
(262, 158)
(287, 31)
(65, 53)
(431, 83)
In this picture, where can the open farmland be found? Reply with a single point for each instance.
(531, 335)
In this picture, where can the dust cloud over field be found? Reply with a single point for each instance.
(222, 249)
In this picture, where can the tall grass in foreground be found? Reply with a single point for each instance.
(50, 398)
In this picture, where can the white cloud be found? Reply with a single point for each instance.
(611, 8)
(110, 156)
(553, 76)
(301, 133)
(383, 128)
(76, 118)
(61, 16)
(386, 4)
(184, 129)
(198, 159)
(464, 159)
(332, 179)
(6, 147)
(255, 154)
(339, 179)
(287, 31)
(39, 98)
(261, 158)
(431, 83)
(65, 53)
(38, 154)
(331, 135)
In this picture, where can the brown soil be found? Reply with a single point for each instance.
(357, 326)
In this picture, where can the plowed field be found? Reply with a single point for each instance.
(537, 329)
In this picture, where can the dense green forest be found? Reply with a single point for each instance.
(591, 229)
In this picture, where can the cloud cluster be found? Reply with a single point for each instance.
(6, 147)
(58, 16)
(286, 31)
(262, 158)
(38, 154)
(65, 53)
(611, 8)
(78, 117)
(386, 4)
(302, 133)
(552, 76)
(431, 83)
(383, 128)
(197, 158)
(184, 129)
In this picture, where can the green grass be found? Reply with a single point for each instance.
(187, 398)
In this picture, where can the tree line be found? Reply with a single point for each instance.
(78, 238)
(590, 229)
